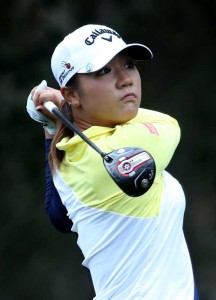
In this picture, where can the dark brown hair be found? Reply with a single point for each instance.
(56, 156)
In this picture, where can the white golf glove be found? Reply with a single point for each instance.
(49, 125)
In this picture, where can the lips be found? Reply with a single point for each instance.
(129, 96)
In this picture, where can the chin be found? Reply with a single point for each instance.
(131, 112)
(127, 117)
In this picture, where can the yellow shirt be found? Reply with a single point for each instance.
(83, 170)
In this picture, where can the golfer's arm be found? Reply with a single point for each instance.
(55, 209)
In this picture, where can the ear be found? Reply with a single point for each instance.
(71, 96)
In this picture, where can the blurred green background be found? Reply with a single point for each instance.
(38, 262)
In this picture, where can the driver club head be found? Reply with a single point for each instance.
(132, 169)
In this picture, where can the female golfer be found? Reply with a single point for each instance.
(134, 247)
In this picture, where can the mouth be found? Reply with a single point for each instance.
(129, 97)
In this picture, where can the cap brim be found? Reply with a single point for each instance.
(136, 51)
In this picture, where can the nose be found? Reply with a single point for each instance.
(123, 79)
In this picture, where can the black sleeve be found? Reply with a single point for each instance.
(55, 209)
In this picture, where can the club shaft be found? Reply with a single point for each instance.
(51, 107)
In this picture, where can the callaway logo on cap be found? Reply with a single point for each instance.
(88, 49)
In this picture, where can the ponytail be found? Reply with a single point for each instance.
(56, 156)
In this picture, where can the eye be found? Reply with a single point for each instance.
(130, 64)
(103, 71)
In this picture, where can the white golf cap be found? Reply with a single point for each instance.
(88, 49)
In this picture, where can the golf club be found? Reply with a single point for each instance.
(132, 169)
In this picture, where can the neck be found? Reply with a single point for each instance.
(82, 125)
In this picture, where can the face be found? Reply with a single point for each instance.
(108, 97)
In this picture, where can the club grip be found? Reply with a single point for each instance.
(49, 105)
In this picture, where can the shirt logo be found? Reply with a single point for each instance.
(151, 128)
